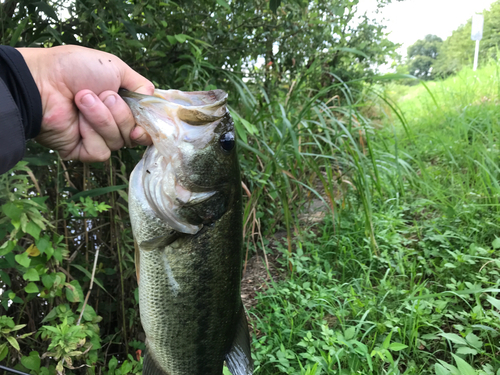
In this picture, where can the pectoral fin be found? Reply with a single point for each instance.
(239, 359)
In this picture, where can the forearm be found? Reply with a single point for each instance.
(20, 107)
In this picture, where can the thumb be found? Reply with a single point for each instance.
(133, 81)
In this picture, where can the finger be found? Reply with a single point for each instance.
(121, 113)
(92, 147)
(99, 118)
(133, 81)
(140, 137)
(132, 135)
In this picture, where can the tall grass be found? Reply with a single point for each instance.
(298, 145)
(403, 277)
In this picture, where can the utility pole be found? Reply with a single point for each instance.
(477, 34)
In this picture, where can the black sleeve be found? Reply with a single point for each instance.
(20, 107)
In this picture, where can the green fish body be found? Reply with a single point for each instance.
(186, 211)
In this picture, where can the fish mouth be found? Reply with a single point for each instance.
(179, 123)
(193, 108)
(172, 116)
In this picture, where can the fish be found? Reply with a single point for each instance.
(185, 206)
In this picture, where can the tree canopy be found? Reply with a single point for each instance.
(422, 55)
(196, 37)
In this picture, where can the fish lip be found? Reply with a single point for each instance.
(191, 101)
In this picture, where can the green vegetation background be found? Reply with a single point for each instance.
(401, 277)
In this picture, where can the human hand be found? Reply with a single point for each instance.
(83, 116)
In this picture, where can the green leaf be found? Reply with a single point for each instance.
(7, 247)
(3, 351)
(18, 327)
(224, 4)
(440, 370)
(113, 362)
(89, 312)
(31, 275)
(19, 29)
(123, 194)
(31, 288)
(48, 280)
(4, 276)
(396, 346)
(13, 342)
(352, 50)
(23, 259)
(126, 367)
(172, 39)
(43, 244)
(463, 367)
(96, 192)
(387, 340)
(181, 38)
(47, 9)
(466, 350)
(50, 316)
(239, 129)
(496, 243)
(494, 302)
(349, 333)
(24, 222)
(31, 362)
(74, 291)
(52, 329)
(474, 341)
(453, 337)
(33, 229)
(12, 211)
(274, 5)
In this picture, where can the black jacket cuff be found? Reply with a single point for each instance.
(20, 107)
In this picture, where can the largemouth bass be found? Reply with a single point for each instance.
(186, 211)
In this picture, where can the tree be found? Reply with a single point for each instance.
(458, 49)
(422, 55)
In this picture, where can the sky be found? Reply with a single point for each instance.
(411, 20)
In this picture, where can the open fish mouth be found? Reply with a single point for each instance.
(180, 124)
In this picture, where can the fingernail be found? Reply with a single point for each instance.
(88, 100)
(110, 101)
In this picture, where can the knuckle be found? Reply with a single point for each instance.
(118, 144)
(102, 155)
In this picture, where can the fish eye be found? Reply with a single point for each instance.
(227, 141)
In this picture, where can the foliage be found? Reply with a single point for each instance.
(422, 55)
(196, 40)
(281, 63)
(427, 301)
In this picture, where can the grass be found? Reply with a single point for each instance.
(403, 278)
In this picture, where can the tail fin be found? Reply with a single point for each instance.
(239, 359)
